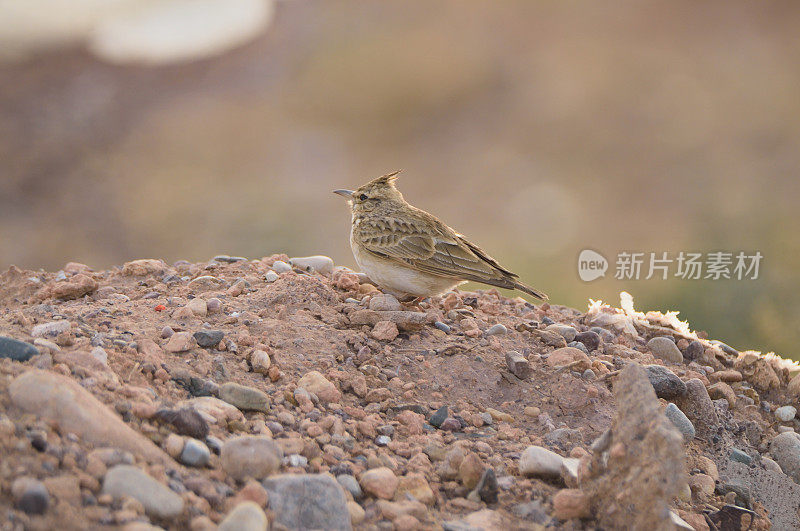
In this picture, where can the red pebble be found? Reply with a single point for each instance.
(160, 308)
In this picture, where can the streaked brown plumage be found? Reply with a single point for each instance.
(409, 252)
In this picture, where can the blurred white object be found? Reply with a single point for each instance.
(132, 31)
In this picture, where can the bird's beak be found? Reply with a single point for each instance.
(344, 193)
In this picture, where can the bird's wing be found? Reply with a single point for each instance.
(431, 248)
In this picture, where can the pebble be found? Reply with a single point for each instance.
(698, 407)
(30, 495)
(470, 470)
(72, 408)
(442, 326)
(208, 338)
(195, 453)
(260, 361)
(666, 384)
(254, 456)
(198, 307)
(785, 413)
(665, 348)
(580, 346)
(51, 329)
(379, 482)
(540, 462)
(310, 264)
(740, 456)
(243, 397)
(384, 440)
(16, 350)
(174, 445)
(384, 331)
(785, 450)
(279, 266)
(438, 417)
(157, 499)
(590, 339)
(351, 485)
(246, 516)
(496, 330)
(315, 382)
(271, 276)
(680, 421)
(565, 331)
(180, 342)
(229, 259)
(571, 503)
(185, 421)
(296, 460)
(450, 424)
(308, 501)
(384, 302)
(694, 351)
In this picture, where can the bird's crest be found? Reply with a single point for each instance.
(387, 179)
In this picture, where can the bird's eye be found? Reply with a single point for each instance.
(363, 197)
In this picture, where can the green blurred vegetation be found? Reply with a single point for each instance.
(537, 129)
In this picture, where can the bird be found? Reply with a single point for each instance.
(410, 253)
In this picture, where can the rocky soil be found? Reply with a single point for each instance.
(289, 394)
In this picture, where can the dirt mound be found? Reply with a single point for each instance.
(467, 411)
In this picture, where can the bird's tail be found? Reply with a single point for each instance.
(529, 290)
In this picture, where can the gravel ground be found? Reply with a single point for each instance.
(291, 394)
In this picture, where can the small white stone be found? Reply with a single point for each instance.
(271, 276)
(785, 413)
(281, 267)
(538, 461)
(318, 263)
(52, 328)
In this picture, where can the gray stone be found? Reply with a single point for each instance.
(244, 397)
(785, 413)
(351, 485)
(698, 407)
(438, 417)
(740, 456)
(271, 276)
(680, 421)
(309, 501)
(246, 516)
(665, 382)
(195, 453)
(442, 326)
(52, 328)
(279, 266)
(30, 495)
(254, 456)
(578, 345)
(540, 462)
(16, 350)
(158, 500)
(591, 340)
(565, 331)
(209, 338)
(517, 364)
(694, 351)
(785, 450)
(665, 348)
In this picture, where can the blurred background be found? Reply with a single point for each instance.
(182, 129)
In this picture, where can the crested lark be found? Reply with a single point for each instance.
(410, 253)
